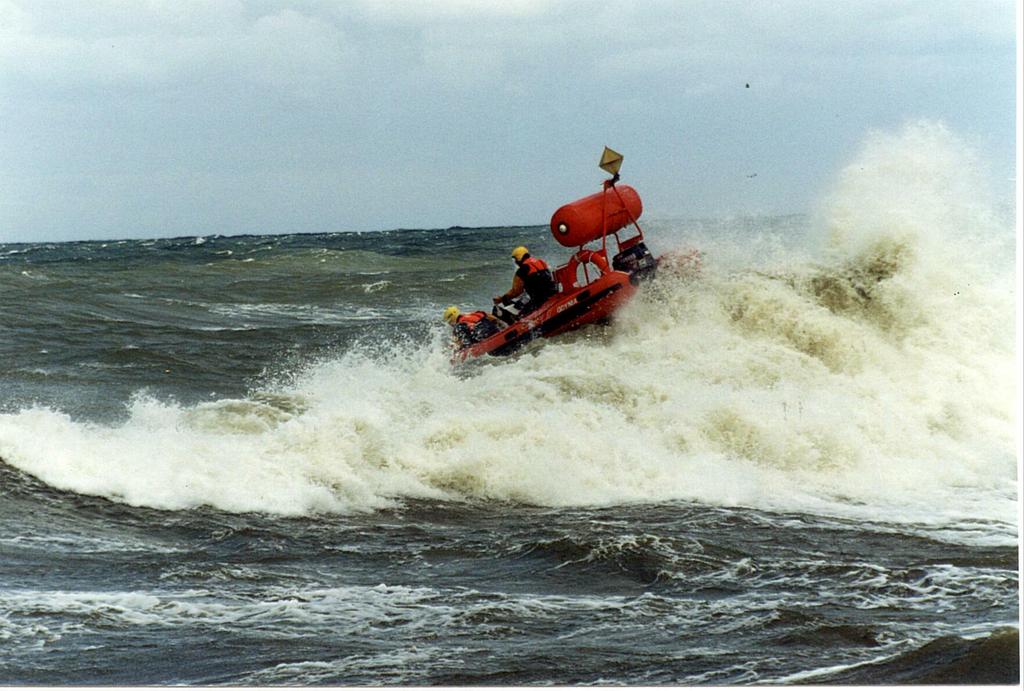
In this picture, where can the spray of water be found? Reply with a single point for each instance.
(869, 374)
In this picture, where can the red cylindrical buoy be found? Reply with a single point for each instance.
(579, 222)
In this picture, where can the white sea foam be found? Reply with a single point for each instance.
(871, 376)
(79, 544)
(376, 286)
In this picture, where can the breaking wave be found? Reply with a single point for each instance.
(868, 373)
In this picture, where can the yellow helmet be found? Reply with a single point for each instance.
(519, 252)
(451, 313)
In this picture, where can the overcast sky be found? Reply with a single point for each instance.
(175, 117)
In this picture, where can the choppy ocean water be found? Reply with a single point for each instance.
(248, 460)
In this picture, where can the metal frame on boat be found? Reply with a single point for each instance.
(590, 288)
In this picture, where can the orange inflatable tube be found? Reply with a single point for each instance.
(581, 221)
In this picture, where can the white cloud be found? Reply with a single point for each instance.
(304, 88)
(420, 11)
(288, 48)
(112, 43)
(14, 19)
(463, 44)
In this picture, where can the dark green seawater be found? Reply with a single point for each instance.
(248, 460)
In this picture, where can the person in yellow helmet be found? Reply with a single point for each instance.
(532, 278)
(450, 314)
(471, 328)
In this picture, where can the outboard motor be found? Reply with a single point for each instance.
(637, 261)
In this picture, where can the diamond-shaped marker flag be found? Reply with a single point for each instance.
(611, 161)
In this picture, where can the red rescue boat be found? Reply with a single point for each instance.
(590, 287)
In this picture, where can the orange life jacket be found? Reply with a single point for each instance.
(471, 319)
(537, 279)
(474, 327)
(533, 265)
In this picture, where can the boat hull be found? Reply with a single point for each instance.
(562, 312)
